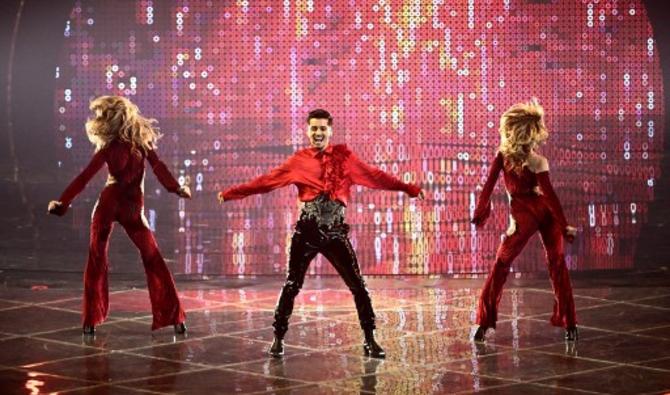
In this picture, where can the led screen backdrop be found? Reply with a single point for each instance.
(415, 87)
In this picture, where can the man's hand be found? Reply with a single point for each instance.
(184, 191)
(421, 195)
(220, 197)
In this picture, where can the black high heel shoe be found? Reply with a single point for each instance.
(571, 334)
(370, 347)
(480, 335)
(89, 330)
(374, 350)
(277, 348)
(180, 329)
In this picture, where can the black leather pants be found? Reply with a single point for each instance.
(332, 242)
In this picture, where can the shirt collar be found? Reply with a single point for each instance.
(315, 151)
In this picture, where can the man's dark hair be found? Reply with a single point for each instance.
(320, 114)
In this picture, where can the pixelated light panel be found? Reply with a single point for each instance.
(416, 88)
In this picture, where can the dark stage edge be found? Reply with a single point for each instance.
(424, 323)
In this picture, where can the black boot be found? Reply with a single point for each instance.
(180, 329)
(89, 330)
(571, 334)
(277, 347)
(370, 346)
(480, 335)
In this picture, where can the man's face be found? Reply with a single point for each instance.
(319, 132)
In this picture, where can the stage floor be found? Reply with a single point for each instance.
(425, 325)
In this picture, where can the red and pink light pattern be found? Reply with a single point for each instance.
(415, 87)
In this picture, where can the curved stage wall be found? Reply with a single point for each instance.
(415, 89)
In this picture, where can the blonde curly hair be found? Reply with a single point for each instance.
(116, 117)
(521, 129)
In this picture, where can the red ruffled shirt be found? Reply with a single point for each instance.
(332, 171)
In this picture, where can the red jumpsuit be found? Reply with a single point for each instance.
(122, 200)
(534, 206)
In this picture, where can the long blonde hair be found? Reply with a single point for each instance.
(116, 117)
(521, 129)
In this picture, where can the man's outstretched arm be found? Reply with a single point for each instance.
(372, 177)
(276, 178)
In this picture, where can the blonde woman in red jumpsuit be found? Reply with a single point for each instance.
(123, 140)
(534, 207)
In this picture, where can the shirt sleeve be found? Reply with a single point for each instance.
(550, 195)
(79, 183)
(161, 171)
(363, 174)
(483, 209)
(276, 178)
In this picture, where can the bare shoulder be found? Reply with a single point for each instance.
(538, 163)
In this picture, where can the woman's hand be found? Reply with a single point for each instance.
(184, 191)
(55, 207)
(481, 216)
(421, 195)
(220, 197)
(570, 233)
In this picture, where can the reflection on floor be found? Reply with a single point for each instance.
(425, 325)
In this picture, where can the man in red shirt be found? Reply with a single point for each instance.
(323, 174)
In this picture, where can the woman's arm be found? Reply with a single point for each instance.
(163, 174)
(59, 207)
(547, 190)
(483, 209)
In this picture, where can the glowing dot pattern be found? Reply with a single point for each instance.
(415, 87)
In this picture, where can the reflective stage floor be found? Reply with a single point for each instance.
(425, 325)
